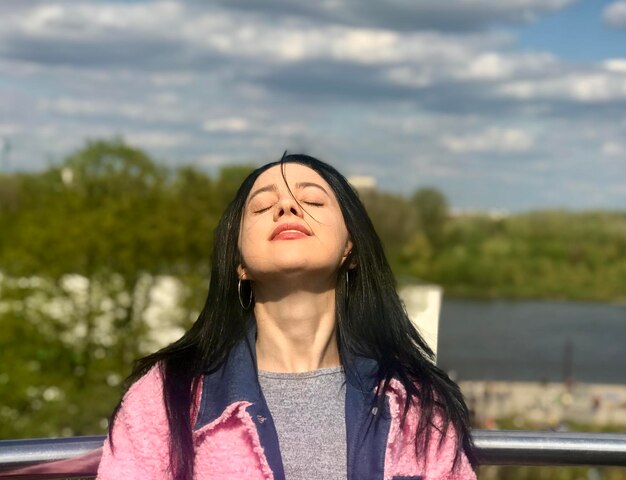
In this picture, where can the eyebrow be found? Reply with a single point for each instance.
(267, 188)
(299, 186)
(302, 185)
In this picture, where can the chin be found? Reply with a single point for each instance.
(296, 269)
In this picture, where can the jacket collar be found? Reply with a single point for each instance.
(236, 379)
(367, 429)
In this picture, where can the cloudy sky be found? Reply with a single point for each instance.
(503, 105)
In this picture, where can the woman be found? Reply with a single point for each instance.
(303, 362)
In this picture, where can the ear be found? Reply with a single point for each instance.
(347, 251)
(242, 273)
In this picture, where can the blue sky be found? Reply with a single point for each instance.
(576, 33)
(502, 105)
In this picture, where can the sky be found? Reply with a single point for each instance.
(502, 105)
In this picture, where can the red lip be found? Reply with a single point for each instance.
(289, 226)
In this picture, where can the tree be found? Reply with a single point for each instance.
(97, 216)
(431, 208)
(85, 246)
(394, 220)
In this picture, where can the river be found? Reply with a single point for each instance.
(533, 341)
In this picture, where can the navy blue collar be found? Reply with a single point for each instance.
(236, 379)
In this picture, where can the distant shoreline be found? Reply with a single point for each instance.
(550, 404)
(452, 295)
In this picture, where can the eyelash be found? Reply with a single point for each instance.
(311, 204)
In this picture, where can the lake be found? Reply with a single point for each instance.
(533, 340)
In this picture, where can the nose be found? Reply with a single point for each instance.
(287, 205)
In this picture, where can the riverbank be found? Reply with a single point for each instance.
(546, 405)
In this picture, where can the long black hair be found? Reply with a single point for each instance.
(371, 322)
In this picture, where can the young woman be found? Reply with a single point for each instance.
(303, 363)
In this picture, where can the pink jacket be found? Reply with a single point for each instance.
(235, 438)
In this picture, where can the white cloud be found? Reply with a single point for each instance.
(9, 129)
(494, 140)
(613, 149)
(449, 15)
(617, 190)
(171, 79)
(295, 43)
(229, 125)
(460, 62)
(73, 106)
(419, 83)
(157, 139)
(410, 76)
(501, 65)
(166, 98)
(614, 15)
(578, 87)
(141, 34)
(80, 19)
(615, 65)
(214, 160)
(490, 65)
(159, 110)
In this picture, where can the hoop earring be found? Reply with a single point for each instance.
(239, 296)
(347, 283)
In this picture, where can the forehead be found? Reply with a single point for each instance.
(295, 173)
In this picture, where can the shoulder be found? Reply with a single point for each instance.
(146, 394)
(142, 411)
(138, 444)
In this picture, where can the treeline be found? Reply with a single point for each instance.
(85, 245)
(540, 255)
(110, 208)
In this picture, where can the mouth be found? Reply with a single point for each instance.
(290, 231)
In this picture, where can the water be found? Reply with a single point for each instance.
(533, 341)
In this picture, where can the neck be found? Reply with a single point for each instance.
(296, 331)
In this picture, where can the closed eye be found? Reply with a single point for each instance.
(261, 210)
(314, 204)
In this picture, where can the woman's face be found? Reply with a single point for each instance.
(285, 233)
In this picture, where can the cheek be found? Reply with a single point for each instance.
(250, 235)
(345, 243)
(342, 231)
(244, 236)
(340, 238)
(244, 241)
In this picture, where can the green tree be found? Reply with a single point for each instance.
(395, 223)
(99, 217)
(84, 245)
(431, 208)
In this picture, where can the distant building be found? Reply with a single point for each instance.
(493, 214)
(362, 182)
(423, 305)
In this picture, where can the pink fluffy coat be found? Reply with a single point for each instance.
(230, 448)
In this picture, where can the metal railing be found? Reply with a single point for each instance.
(55, 458)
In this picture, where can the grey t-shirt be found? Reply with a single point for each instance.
(309, 413)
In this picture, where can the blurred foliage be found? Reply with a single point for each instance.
(84, 246)
(550, 254)
(87, 245)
